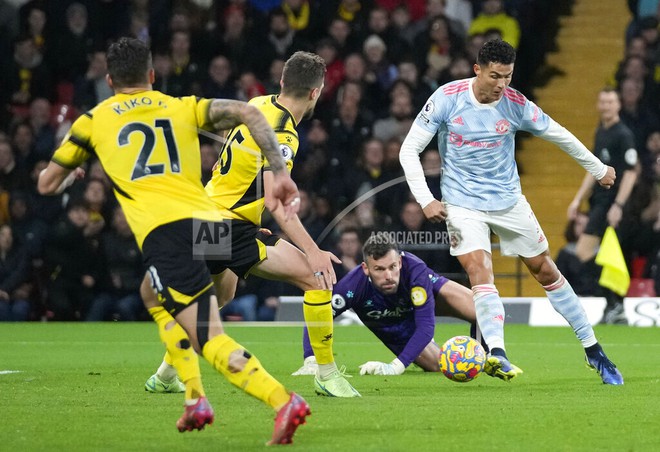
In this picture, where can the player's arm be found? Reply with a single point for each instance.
(569, 143)
(585, 188)
(54, 179)
(226, 114)
(319, 260)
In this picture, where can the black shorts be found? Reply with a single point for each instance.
(598, 209)
(248, 248)
(177, 277)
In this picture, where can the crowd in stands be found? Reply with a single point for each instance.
(72, 256)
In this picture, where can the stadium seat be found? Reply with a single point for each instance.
(641, 287)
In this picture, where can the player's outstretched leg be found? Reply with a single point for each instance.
(329, 381)
(566, 302)
(198, 412)
(288, 418)
(244, 371)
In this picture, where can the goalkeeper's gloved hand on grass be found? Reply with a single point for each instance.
(309, 367)
(396, 367)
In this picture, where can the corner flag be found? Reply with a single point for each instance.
(615, 274)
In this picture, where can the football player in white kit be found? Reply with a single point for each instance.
(475, 121)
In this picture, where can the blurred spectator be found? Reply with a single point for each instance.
(349, 250)
(354, 12)
(34, 23)
(493, 16)
(303, 17)
(46, 208)
(187, 72)
(164, 70)
(635, 113)
(232, 38)
(28, 230)
(121, 255)
(459, 68)
(22, 141)
(340, 32)
(403, 25)
(280, 42)
(73, 44)
(92, 87)
(40, 115)
(14, 274)
(379, 24)
(436, 46)
(421, 88)
(99, 206)
(73, 263)
(219, 82)
(272, 85)
(379, 70)
(334, 75)
(249, 87)
(400, 119)
(12, 176)
(25, 78)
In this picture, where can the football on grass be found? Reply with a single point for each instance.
(462, 359)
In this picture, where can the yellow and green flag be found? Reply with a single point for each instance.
(615, 274)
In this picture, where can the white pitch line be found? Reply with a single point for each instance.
(5, 372)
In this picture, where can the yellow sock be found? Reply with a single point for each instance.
(180, 353)
(318, 317)
(253, 379)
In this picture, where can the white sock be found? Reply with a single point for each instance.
(325, 370)
(166, 372)
(566, 302)
(490, 314)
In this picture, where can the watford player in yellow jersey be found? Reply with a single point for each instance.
(148, 145)
(241, 181)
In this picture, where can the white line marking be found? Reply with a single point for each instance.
(5, 372)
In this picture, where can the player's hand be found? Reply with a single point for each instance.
(396, 367)
(435, 212)
(284, 190)
(321, 264)
(309, 367)
(608, 179)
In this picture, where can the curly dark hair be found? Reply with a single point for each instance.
(129, 60)
(378, 245)
(496, 51)
(303, 71)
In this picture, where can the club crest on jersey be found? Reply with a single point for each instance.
(502, 126)
(287, 152)
(338, 301)
(418, 295)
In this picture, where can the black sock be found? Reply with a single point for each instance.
(593, 350)
(498, 352)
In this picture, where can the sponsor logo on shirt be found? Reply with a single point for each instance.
(457, 140)
(458, 121)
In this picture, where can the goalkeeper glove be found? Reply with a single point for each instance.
(396, 367)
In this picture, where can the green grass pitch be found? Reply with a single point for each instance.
(80, 388)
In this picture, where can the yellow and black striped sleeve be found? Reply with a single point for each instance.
(76, 146)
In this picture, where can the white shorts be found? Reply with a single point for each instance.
(519, 232)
